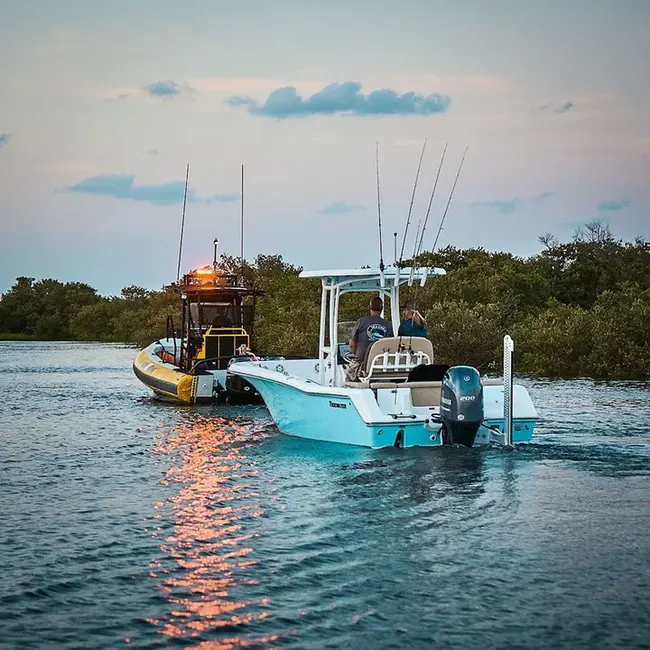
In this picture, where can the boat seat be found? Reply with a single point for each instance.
(394, 357)
(423, 393)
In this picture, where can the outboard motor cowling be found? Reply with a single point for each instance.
(461, 405)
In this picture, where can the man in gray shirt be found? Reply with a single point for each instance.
(367, 330)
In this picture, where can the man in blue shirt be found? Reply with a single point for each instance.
(367, 331)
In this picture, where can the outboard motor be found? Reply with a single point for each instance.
(461, 405)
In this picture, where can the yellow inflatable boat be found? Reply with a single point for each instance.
(189, 365)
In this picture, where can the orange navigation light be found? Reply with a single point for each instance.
(205, 275)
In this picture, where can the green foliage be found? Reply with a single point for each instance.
(609, 341)
(15, 337)
(555, 342)
(485, 278)
(580, 308)
(287, 315)
(465, 334)
(621, 334)
(137, 316)
(44, 308)
(579, 271)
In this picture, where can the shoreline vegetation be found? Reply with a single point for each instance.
(576, 309)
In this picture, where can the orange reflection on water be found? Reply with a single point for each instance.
(211, 545)
(236, 642)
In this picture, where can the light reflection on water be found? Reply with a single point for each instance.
(209, 545)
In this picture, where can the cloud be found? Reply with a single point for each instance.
(122, 186)
(154, 152)
(508, 206)
(4, 139)
(240, 100)
(554, 108)
(341, 207)
(163, 89)
(342, 98)
(613, 206)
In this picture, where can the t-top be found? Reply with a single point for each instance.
(368, 330)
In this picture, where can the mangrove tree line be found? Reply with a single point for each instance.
(578, 308)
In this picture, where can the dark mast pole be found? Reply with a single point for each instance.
(241, 234)
(180, 243)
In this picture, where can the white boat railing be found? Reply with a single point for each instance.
(397, 361)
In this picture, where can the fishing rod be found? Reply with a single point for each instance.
(418, 247)
(180, 244)
(408, 218)
(433, 191)
(442, 221)
(381, 244)
(415, 243)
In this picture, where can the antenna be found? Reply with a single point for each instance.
(180, 244)
(442, 221)
(395, 247)
(426, 218)
(241, 234)
(415, 186)
(381, 245)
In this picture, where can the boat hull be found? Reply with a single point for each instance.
(308, 410)
(165, 381)
(335, 418)
(171, 384)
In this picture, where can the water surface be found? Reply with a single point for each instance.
(130, 523)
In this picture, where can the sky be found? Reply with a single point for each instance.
(104, 104)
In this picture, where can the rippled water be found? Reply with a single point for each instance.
(129, 523)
